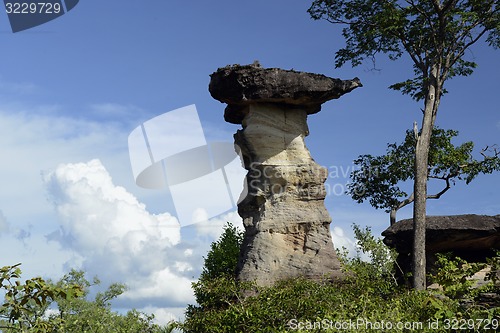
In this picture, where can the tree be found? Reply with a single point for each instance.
(223, 255)
(41, 306)
(96, 315)
(25, 304)
(219, 271)
(369, 292)
(377, 178)
(435, 34)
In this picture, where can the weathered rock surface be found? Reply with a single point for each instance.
(287, 227)
(239, 86)
(472, 237)
(444, 233)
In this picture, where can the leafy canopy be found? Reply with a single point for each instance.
(378, 178)
(215, 287)
(223, 255)
(25, 303)
(41, 306)
(434, 33)
(368, 292)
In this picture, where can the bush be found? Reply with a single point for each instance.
(26, 306)
(365, 301)
(454, 276)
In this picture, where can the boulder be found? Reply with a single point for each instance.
(471, 237)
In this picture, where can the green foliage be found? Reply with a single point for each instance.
(494, 263)
(377, 178)
(223, 255)
(25, 303)
(454, 275)
(368, 293)
(435, 34)
(26, 306)
(282, 307)
(378, 272)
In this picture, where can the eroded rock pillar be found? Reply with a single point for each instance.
(287, 227)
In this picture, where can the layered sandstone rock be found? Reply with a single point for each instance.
(468, 232)
(287, 227)
(471, 237)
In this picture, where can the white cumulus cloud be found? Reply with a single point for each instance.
(117, 238)
(96, 210)
(340, 240)
(213, 227)
(4, 225)
(164, 315)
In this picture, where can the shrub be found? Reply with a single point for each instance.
(366, 300)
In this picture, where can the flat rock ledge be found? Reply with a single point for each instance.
(446, 233)
(240, 85)
(471, 237)
(287, 227)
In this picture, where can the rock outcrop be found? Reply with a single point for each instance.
(239, 86)
(287, 227)
(471, 237)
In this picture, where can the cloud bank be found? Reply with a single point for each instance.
(117, 238)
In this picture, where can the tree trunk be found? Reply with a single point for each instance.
(420, 185)
(392, 215)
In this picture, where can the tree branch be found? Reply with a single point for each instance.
(406, 201)
(494, 149)
(461, 38)
(427, 18)
(443, 191)
(400, 205)
(414, 55)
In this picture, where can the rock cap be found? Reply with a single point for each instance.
(448, 232)
(241, 85)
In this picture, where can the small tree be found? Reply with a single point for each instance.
(25, 304)
(96, 315)
(376, 273)
(378, 178)
(217, 286)
(41, 306)
(435, 34)
(223, 255)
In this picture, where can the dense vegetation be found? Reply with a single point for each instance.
(368, 300)
(40, 306)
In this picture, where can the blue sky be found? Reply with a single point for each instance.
(72, 90)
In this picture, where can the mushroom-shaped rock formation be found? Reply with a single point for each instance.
(287, 227)
(471, 237)
(239, 86)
